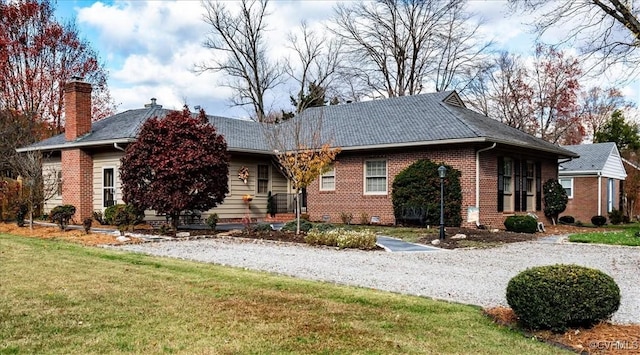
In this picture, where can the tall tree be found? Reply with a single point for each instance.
(556, 88)
(238, 40)
(37, 56)
(617, 129)
(399, 47)
(609, 30)
(541, 98)
(314, 68)
(597, 105)
(178, 163)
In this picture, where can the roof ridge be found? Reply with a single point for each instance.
(459, 118)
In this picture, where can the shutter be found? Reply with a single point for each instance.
(523, 186)
(500, 184)
(517, 185)
(621, 195)
(538, 186)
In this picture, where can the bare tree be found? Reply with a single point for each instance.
(462, 56)
(302, 150)
(598, 104)
(41, 184)
(397, 47)
(239, 43)
(316, 65)
(606, 29)
(503, 92)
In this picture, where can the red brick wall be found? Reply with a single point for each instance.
(584, 203)
(77, 182)
(77, 106)
(349, 195)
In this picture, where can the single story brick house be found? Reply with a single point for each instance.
(594, 181)
(502, 168)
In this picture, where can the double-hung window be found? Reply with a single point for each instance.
(263, 179)
(328, 180)
(567, 184)
(108, 187)
(375, 173)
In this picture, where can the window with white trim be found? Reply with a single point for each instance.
(375, 173)
(530, 185)
(567, 184)
(59, 182)
(328, 180)
(108, 187)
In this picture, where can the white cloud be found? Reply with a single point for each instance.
(151, 47)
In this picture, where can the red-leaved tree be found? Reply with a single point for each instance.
(38, 55)
(178, 163)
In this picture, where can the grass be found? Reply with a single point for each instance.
(624, 237)
(58, 297)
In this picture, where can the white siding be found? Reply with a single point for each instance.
(614, 168)
(50, 168)
(101, 161)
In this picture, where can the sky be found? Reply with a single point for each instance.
(151, 48)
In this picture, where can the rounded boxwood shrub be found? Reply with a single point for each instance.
(61, 215)
(567, 220)
(415, 195)
(560, 296)
(521, 224)
(598, 221)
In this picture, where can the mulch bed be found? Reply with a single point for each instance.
(603, 338)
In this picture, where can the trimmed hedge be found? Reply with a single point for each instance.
(567, 220)
(599, 221)
(560, 296)
(62, 215)
(521, 224)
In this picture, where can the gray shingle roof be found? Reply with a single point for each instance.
(401, 121)
(415, 120)
(593, 157)
(240, 135)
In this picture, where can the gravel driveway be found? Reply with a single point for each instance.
(478, 276)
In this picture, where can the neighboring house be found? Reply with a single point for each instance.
(88, 157)
(502, 169)
(593, 181)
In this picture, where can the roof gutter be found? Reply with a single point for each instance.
(478, 172)
(76, 145)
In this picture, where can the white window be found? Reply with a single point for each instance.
(531, 190)
(328, 180)
(108, 187)
(375, 173)
(567, 184)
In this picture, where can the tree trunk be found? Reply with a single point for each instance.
(298, 211)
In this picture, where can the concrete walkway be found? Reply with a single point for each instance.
(396, 245)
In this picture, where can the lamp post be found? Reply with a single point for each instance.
(442, 172)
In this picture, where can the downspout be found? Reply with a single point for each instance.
(115, 145)
(599, 193)
(478, 176)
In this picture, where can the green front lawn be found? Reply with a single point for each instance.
(624, 237)
(57, 297)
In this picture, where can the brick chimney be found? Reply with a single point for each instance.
(77, 164)
(77, 102)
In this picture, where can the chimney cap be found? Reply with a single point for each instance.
(153, 103)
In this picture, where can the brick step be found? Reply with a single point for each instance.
(280, 217)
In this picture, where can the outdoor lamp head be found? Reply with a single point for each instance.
(442, 171)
